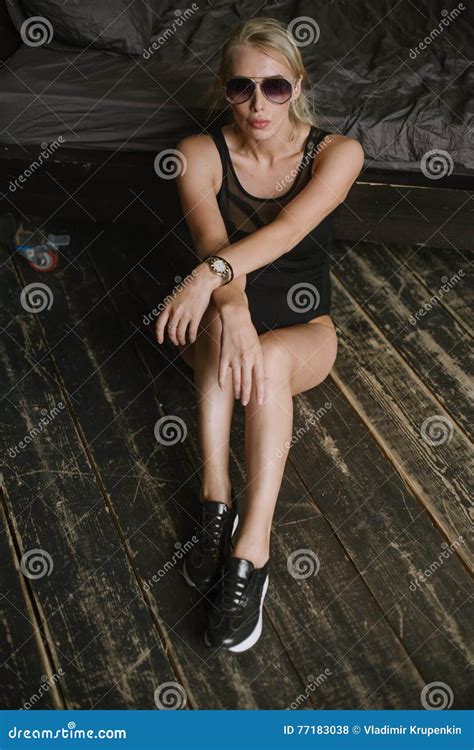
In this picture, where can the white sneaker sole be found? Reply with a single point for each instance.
(251, 639)
(236, 523)
(185, 572)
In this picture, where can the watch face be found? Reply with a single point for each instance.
(219, 266)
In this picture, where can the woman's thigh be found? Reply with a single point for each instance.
(308, 351)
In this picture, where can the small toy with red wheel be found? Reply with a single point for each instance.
(41, 251)
(24, 235)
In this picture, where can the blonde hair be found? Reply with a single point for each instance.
(269, 36)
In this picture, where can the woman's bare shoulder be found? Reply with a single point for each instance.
(197, 145)
(201, 154)
(336, 146)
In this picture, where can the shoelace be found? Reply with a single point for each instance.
(211, 531)
(233, 592)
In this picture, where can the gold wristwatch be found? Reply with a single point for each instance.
(221, 267)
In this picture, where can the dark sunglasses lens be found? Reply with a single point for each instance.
(238, 90)
(278, 90)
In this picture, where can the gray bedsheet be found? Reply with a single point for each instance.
(371, 80)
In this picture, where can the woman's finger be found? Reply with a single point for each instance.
(246, 381)
(161, 324)
(237, 379)
(171, 329)
(181, 330)
(192, 331)
(259, 379)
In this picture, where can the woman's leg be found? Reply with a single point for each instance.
(296, 359)
(215, 407)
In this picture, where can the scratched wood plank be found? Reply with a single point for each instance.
(22, 670)
(430, 452)
(152, 486)
(324, 621)
(100, 632)
(385, 531)
(438, 267)
(430, 340)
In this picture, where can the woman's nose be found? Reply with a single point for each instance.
(258, 99)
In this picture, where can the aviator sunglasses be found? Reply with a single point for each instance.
(239, 89)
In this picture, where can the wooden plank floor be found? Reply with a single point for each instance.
(94, 612)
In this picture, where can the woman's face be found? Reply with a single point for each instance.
(252, 63)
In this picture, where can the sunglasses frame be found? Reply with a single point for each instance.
(257, 81)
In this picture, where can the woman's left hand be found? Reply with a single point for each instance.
(187, 303)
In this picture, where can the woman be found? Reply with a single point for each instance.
(253, 317)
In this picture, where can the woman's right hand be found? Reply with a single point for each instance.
(242, 352)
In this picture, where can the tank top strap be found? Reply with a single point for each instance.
(221, 146)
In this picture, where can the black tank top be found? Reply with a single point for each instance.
(244, 213)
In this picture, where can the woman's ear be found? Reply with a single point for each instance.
(297, 87)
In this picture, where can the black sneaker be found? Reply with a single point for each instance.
(235, 619)
(202, 566)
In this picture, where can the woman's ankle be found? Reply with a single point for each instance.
(217, 491)
(258, 554)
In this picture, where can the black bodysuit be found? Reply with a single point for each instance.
(295, 287)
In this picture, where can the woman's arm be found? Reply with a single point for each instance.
(203, 217)
(337, 168)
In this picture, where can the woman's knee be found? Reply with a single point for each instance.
(276, 357)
